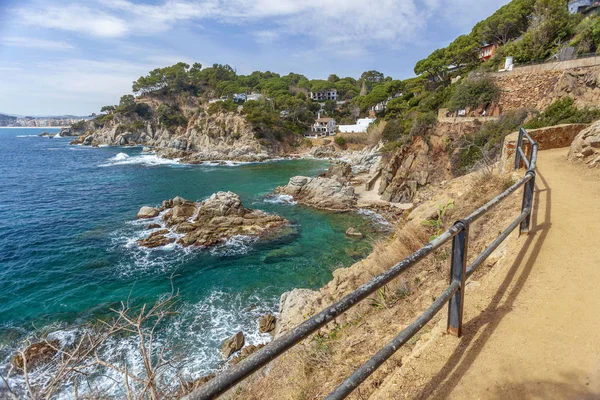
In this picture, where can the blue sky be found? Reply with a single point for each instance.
(72, 57)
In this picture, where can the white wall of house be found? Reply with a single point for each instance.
(361, 125)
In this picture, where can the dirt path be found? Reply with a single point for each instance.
(532, 325)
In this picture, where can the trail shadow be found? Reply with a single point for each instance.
(469, 348)
(547, 390)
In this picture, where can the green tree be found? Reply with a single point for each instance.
(477, 91)
(371, 78)
(108, 109)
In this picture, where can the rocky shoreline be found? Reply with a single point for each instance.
(207, 223)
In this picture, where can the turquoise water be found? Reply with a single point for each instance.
(68, 252)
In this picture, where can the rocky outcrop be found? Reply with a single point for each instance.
(211, 222)
(351, 232)
(586, 146)
(206, 137)
(233, 344)
(327, 151)
(36, 354)
(364, 161)
(246, 351)
(293, 306)
(404, 172)
(147, 212)
(321, 192)
(267, 323)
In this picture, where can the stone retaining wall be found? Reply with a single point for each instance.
(552, 137)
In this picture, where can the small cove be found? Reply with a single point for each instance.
(68, 252)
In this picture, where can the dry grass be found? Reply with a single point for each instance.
(314, 368)
(370, 138)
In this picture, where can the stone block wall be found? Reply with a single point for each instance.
(552, 137)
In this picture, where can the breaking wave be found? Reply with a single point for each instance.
(143, 159)
(280, 199)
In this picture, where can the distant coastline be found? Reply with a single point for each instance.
(33, 127)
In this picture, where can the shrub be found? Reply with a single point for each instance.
(340, 141)
(78, 125)
(222, 106)
(171, 116)
(103, 119)
(394, 130)
(423, 123)
(484, 145)
(476, 91)
(143, 110)
(564, 111)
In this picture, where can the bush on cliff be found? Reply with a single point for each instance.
(483, 147)
(222, 106)
(564, 111)
(170, 116)
(476, 91)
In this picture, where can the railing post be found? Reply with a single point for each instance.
(458, 271)
(527, 202)
(517, 153)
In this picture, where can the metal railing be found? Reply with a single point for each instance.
(453, 295)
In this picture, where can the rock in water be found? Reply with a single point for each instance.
(147, 212)
(37, 354)
(321, 192)
(156, 239)
(266, 323)
(354, 233)
(246, 351)
(211, 222)
(235, 343)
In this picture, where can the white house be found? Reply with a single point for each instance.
(330, 94)
(362, 124)
(254, 96)
(323, 127)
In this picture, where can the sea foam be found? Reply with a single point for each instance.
(143, 159)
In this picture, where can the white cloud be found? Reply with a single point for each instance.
(73, 17)
(332, 23)
(34, 43)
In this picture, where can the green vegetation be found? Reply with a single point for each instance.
(437, 224)
(340, 141)
(564, 111)
(484, 146)
(529, 30)
(78, 125)
(475, 91)
(170, 116)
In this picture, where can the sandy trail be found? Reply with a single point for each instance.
(532, 327)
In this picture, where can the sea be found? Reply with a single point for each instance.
(68, 252)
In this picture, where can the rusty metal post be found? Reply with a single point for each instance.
(458, 270)
(519, 145)
(527, 202)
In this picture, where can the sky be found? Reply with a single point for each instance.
(74, 56)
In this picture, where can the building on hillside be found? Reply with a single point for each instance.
(330, 94)
(581, 6)
(488, 51)
(240, 97)
(323, 127)
(380, 107)
(362, 124)
(254, 96)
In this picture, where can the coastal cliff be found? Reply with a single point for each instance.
(202, 136)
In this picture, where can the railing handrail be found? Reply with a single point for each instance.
(453, 294)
